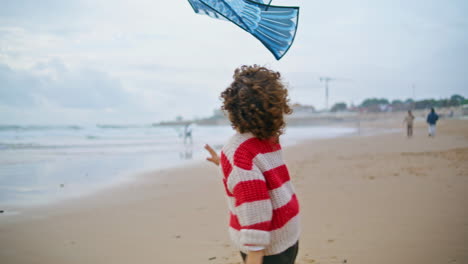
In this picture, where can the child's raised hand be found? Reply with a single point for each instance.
(214, 156)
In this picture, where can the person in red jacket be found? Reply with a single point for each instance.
(263, 207)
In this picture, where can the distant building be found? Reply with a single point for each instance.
(302, 110)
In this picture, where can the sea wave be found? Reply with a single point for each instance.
(37, 127)
(71, 127)
(133, 144)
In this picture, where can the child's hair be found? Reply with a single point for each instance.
(256, 101)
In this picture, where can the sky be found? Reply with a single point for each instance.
(145, 61)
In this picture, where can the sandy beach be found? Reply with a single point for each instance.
(364, 199)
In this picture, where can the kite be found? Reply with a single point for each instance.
(274, 26)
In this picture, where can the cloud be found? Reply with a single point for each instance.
(51, 92)
(44, 10)
(53, 83)
(157, 59)
(17, 87)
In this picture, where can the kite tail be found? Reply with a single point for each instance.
(276, 28)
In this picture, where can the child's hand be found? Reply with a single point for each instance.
(214, 156)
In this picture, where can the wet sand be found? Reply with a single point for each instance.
(364, 199)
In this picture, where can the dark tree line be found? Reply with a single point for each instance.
(382, 104)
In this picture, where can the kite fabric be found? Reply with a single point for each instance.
(274, 26)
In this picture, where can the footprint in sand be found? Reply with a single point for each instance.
(416, 171)
(308, 260)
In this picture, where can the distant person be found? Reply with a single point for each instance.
(264, 221)
(188, 133)
(432, 118)
(409, 119)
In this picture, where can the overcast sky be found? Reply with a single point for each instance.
(140, 61)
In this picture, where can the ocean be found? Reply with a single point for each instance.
(44, 164)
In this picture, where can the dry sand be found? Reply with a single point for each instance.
(374, 199)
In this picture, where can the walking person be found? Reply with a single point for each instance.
(188, 133)
(432, 118)
(409, 119)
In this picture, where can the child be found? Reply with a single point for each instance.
(264, 211)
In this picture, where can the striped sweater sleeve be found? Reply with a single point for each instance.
(252, 205)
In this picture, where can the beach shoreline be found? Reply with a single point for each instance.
(10, 209)
(46, 165)
(374, 199)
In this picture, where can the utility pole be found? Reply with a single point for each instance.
(413, 106)
(326, 80)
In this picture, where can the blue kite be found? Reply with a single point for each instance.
(274, 26)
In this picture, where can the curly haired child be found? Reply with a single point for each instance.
(263, 207)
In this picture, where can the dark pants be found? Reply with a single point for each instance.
(286, 257)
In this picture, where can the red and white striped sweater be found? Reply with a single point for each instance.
(263, 207)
